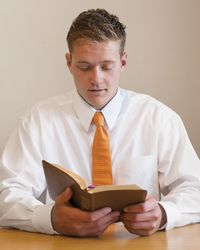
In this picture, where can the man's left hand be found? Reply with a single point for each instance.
(144, 218)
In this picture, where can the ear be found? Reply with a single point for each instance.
(123, 60)
(68, 59)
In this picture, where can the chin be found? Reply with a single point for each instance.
(99, 106)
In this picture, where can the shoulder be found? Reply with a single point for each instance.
(55, 101)
(50, 106)
(144, 104)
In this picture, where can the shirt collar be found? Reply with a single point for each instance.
(85, 112)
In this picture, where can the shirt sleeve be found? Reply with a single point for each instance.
(179, 174)
(22, 182)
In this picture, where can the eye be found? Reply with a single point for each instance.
(107, 66)
(84, 66)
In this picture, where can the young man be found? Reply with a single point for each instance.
(148, 143)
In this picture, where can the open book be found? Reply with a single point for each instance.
(90, 198)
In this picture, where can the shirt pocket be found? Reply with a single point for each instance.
(139, 170)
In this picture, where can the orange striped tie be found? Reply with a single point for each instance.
(101, 157)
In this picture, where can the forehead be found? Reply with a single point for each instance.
(91, 50)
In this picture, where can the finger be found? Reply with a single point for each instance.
(149, 204)
(139, 217)
(141, 232)
(90, 228)
(64, 197)
(146, 225)
(95, 215)
(96, 228)
(108, 219)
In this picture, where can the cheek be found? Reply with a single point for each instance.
(81, 83)
(114, 78)
(78, 78)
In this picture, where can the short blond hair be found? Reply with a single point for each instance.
(97, 25)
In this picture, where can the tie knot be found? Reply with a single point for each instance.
(98, 119)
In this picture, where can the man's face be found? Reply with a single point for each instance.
(96, 69)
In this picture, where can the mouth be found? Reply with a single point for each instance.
(97, 90)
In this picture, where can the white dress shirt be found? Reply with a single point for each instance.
(149, 147)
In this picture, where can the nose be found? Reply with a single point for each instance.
(96, 75)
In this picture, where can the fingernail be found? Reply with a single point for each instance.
(108, 209)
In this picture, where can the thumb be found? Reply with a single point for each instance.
(64, 197)
(57, 210)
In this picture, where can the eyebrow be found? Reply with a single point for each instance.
(105, 61)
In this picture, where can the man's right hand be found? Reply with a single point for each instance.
(71, 221)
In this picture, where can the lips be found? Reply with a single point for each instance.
(96, 90)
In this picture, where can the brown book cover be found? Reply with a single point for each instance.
(114, 196)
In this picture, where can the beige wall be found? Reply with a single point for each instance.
(163, 54)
